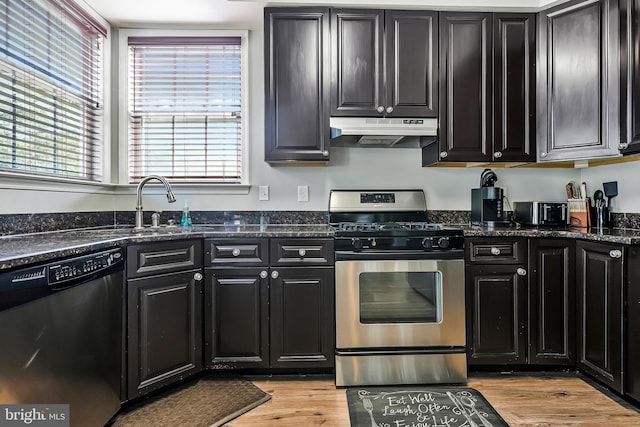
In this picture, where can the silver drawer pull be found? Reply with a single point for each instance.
(274, 274)
(197, 277)
(235, 252)
(623, 146)
(302, 252)
(263, 274)
(615, 253)
(443, 154)
(521, 272)
(495, 251)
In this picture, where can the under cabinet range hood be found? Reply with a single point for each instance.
(381, 132)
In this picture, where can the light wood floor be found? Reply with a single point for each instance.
(540, 400)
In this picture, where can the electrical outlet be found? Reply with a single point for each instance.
(263, 193)
(303, 193)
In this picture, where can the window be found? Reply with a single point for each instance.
(185, 109)
(50, 89)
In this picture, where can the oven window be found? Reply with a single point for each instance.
(400, 297)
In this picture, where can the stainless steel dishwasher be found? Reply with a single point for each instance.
(61, 335)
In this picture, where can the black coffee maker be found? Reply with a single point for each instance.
(487, 208)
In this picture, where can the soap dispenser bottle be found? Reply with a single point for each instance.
(185, 221)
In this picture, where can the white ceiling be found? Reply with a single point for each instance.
(236, 13)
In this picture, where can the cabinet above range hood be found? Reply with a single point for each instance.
(381, 132)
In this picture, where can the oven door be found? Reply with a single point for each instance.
(393, 304)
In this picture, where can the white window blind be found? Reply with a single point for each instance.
(185, 119)
(50, 89)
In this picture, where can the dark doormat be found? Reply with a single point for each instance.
(420, 406)
(210, 401)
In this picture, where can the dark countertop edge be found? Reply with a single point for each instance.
(616, 235)
(85, 241)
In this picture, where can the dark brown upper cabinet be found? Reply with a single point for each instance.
(487, 89)
(296, 84)
(578, 81)
(384, 63)
(630, 76)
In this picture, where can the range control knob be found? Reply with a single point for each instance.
(427, 243)
(443, 242)
(356, 243)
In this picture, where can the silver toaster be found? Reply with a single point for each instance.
(550, 214)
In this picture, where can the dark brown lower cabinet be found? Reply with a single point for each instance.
(302, 317)
(632, 343)
(236, 318)
(164, 332)
(261, 318)
(496, 315)
(520, 301)
(551, 302)
(599, 269)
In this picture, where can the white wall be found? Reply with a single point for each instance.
(627, 175)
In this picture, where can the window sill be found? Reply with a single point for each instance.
(12, 181)
(154, 187)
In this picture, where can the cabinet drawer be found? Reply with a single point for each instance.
(164, 257)
(496, 251)
(236, 251)
(302, 252)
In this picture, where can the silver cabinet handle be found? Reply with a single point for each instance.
(325, 153)
(274, 274)
(235, 252)
(302, 252)
(543, 154)
(443, 154)
(497, 154)
(615, 253)
(197, 277)
(380, 109)
(263, 274)
(495, 251)
(623, 146)
(389, 109)
(521, 272)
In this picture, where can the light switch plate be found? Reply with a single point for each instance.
(263, 192)
(303, 193)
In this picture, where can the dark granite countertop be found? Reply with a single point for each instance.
(625, 236)
(24, 249)
(20, 250)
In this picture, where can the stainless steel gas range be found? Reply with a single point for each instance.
(400, 311)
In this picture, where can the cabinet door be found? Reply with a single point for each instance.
(465, 87)
(514, 87)
(357, 71)
(297, 84)
(632, 343)
(630, 76)
(302, 317)
(236, 318)
(155, 258)
(578, 65)
(164, 330)
(551, 302)
(599, 271)
(496, 315)
(411, 88)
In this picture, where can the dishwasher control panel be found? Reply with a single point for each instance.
(84, 266)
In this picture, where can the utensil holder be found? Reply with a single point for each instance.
(579, 213)
(606, 217)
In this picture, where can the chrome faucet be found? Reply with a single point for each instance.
(170, 197)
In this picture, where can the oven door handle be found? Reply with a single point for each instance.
(399, 255)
